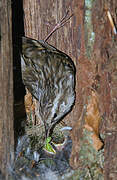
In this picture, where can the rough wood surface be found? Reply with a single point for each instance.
(105, 54)
(96, 71)
(6, 86)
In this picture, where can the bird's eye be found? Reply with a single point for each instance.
(55, 115)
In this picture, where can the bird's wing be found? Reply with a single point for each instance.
(49, 75)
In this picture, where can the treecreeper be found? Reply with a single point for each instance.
(49, 75)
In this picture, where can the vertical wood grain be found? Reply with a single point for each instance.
(6, 87)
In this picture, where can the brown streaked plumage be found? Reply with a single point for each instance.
(49, 75)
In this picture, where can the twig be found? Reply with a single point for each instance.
(60, 24)
(111, 22)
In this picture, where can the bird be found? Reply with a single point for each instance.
(49, 75)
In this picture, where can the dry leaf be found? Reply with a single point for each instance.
(30, 107)
(28, 102)
(92, 120)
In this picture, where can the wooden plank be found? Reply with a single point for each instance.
(6, 87)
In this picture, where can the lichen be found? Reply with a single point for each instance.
(91, 160)
(89, 34)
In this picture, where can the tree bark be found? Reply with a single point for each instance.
(6, 87)
(95, 61)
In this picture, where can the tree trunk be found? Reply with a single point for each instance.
(6, 87)
(88, 38)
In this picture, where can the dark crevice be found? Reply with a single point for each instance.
(19, 89)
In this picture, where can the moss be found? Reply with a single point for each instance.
(91, 160)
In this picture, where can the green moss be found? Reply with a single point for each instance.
(91, 159)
